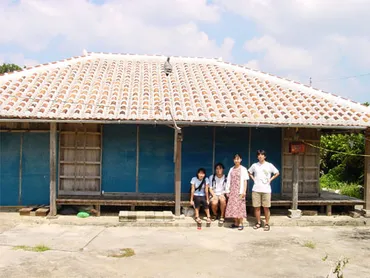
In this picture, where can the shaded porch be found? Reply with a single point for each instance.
(326, 200)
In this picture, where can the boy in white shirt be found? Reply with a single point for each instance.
(217, 189)
(260, 173)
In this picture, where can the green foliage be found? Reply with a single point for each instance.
(346, 166)
(9, 68)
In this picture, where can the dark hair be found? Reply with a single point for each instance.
(214, 174)
(238, 155)
(203, 180)
(219, 165)
(262, 152)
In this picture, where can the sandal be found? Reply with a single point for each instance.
(209, 220)
(233, 226)
(266, 228)
(198, 220)
(257, 226)
(221, 221)
(241, 227)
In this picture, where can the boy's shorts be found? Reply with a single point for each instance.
(200, 200)
(261, 199)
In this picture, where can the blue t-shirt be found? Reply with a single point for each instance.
(196, 182)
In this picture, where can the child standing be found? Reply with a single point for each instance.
(236, 186)
(262, 173)
(199, 194)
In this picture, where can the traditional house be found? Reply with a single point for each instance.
(111, 129)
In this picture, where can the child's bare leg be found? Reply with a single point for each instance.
(207, 213)
(196, 212)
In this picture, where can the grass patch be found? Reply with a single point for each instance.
(310, 244)
(36, 248)
(348, 189)
(124, 253)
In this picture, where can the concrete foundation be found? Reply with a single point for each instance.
(295, 213)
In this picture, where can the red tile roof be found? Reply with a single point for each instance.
(112, 87)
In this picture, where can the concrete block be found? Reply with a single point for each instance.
(309, 212)
(168, 216)
(295, 213)
(366, 213)
(140, 215)
(127, 216)
(354, 214)
(42, 212)
(149, 215)
(25, 211)
(158, 215)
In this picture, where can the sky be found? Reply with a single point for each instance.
(325, 40)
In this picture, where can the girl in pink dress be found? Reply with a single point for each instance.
(236, 188)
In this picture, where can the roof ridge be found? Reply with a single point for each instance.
(39, 66)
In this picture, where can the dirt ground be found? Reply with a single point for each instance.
(85, 251)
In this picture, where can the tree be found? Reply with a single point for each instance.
(9, 68)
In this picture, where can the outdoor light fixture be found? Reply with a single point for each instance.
(167, 67)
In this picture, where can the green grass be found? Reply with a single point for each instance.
(348, 189)
(37, 248)
(124, 253)
(309, 244)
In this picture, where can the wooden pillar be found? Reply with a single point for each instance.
(178, 147)
(367, 170)
(53, 168)
(295, 182)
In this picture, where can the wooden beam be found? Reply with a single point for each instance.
(367, 170)
(53, 168)
(178, 173)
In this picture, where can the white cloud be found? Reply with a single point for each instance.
(18, 59)
(163, 27)
(253, 64)
(280, 56)
(310, 38)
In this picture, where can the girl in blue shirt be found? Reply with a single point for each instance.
(199, 194)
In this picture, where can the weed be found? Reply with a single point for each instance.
(124, 253)
(309, 244)
(36, 248)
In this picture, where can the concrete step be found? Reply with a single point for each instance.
(148, 216)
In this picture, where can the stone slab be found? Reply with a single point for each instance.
(355, 214)
(42, 212)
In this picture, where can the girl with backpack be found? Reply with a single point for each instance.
(199, 194)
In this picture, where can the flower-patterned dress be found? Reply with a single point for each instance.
(236, 207)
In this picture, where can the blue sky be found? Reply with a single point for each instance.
(297, 39)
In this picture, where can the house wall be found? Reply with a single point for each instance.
(308, 162)
(201, 147)
(24, 168)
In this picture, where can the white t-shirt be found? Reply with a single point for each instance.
(219, 185)
(196, 182)
(262, 174)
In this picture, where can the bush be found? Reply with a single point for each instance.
(349, 189)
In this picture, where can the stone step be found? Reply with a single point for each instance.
(134, 216)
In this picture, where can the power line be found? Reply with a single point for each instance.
(341, 78)
(325, 149)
